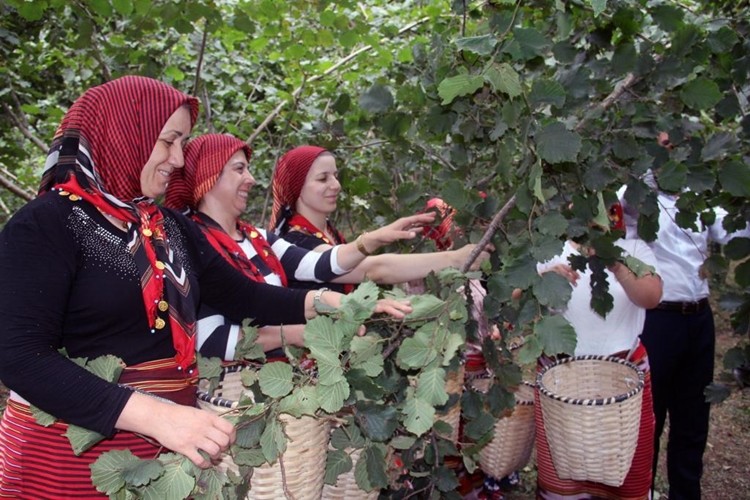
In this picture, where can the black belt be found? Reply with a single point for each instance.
(684, 307)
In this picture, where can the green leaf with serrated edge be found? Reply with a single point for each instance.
(521, 272)
(551, 224)
(503, 78)
(734, 358)
(107, 367)
(557, 144)
(106, 471)
(209, 368)
(638, 267)
(480, 426)
(42, 417)
(302, 401)
(329, 373)
(337, 462)
(273, 440)
(419, 350)
(248, 377)
(452, 344)
(718, 145)
(248, 346)
(142, 472)
(402, 442)
(482, 45)
(431, 386)
(249, 457)
(530, 351)
(599, 6)
(366, 354)
(445, 479)
(123, 7)
(701, 93)
(275, 379)
(545, 92)
(672, 176)
(377, 421)
(249, 432)
(361, 476)
(374, 460)
(602, 214)
(332, 397)
(177, 480)
(734, 177)
(82, 439)
(556, 335)
(376, 99)
(459, 85)
(553, 290)
(425, 306)
(737, 248)
(359, 305)
(323, 340)
(419, 415)
(210, 483)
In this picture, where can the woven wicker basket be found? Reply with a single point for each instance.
(346, 486)
(513, 442)
(454, 384)
(591, 409)
(303, 461)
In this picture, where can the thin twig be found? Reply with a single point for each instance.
(495, 224)
(322, 75)
(200, 61)
(287, 493)
(24, 130)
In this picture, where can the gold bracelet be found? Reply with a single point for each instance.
(361, 246)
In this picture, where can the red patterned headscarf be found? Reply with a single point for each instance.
(288, 179)
(205, 158)
(97, 155)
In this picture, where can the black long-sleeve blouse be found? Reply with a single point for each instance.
(68, 280)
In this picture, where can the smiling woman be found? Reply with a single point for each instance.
(167, 154)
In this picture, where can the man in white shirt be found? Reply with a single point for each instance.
(679, 338)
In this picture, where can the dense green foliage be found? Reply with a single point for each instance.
(548, 105)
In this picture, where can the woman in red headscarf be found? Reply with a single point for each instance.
(94, 267)
(305, 192)
(214, 187)
(615, 335)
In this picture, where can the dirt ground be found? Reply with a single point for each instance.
(727, 459)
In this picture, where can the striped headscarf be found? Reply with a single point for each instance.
(288, 179)
(98, 153)
(205, 157)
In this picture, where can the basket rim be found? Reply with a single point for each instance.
(587, 401)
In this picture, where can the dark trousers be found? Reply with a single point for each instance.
(681, 354)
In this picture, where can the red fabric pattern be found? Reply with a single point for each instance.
(205, 157)
(98, 153)
(289, 177)
(233, 253)
(441, 234)
(31, 455)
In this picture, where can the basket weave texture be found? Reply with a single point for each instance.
(303, 461)
(591, 409)
(513, 441)
(346, 486)
(454, 384)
